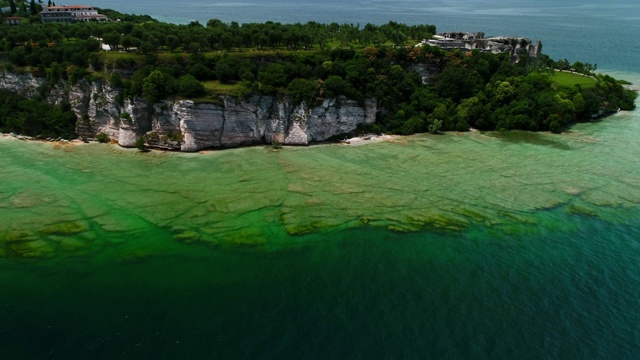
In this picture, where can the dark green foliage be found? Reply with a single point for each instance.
(415, 124)
(435, 127)
(102, 138)
(457, 83)
(95, 62)
(335, 86)
(303, 90)
(614, 95)
(112, 39)
(33, 9)
(32, 117)
(271, 77)
(189, 86)
(173, 136)
(133, 86)
(158, 85)
(463, 89)
(226, 70)
(129, 41)
(247, 71)
(488, 92)
(199, 71)
(146, 48)
(12, 6)
(116, 80)
(75, 73)
(125, 64)
(140, 145)
(125, 117)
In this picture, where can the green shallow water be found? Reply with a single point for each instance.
(500, 245)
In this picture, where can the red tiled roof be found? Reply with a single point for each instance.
(70, 7)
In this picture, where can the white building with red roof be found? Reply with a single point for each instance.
(72, 13)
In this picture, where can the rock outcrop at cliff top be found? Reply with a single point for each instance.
(188, 126)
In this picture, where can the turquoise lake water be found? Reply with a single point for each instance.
(465, 245)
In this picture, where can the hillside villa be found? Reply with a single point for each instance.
(72, 13)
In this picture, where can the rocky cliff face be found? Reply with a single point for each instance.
(188, 126)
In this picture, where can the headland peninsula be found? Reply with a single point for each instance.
(130, 79)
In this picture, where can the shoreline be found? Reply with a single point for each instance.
(15, 136)
(353, 141)
(366, 139)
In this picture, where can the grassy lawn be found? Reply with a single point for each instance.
(571, 80)
(214, 87)
(110, 57)
(165, 55)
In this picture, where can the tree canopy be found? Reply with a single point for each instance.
(417, 88)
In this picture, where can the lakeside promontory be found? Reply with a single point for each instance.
(188, 87)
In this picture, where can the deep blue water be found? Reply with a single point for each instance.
(360, 293)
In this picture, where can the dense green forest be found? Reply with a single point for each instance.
(311, 62)
(36, 118)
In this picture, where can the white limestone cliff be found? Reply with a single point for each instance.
(188, 126)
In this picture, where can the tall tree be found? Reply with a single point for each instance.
(12, 4)
(32, 7)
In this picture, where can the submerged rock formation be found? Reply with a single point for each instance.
(188, 126)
